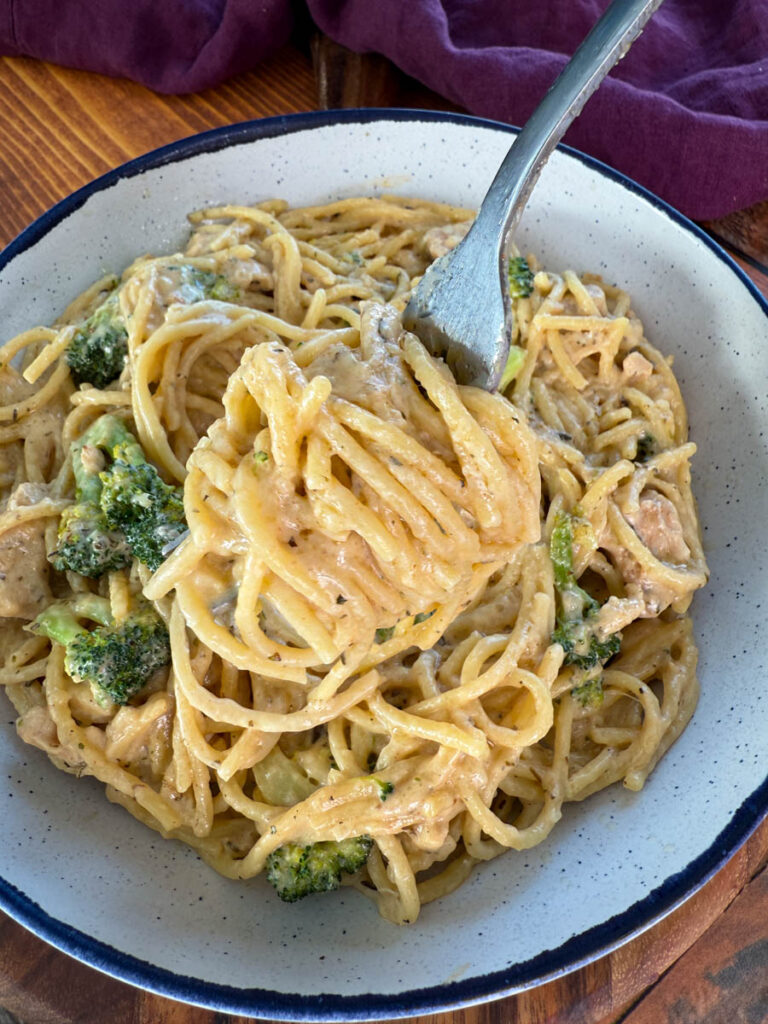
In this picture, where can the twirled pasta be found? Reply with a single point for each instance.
(366, 594)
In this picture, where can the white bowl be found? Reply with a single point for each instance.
(88, 878)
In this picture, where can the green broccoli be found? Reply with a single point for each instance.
(117, 659)
(122, 508)
(515, 363)
(87, 543)
(384, 633)
(98, 350)
(297, 871)
(386, 788)
(520, 278)
(149, 512)
(198, 285)
(589, 694)
(646, 448)
(576, 630)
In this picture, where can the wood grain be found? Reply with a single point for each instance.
(745, 230)
(60, 128)
(348, 79)
(724, 977)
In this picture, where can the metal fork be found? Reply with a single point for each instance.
(461, 309)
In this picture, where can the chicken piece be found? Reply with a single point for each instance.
(245, 274)
(132, 730)
(37, 728)
(13, 387)
(24, 589)
(373, 376)
(636, 367)
(618, 612)
(645, 597)
(438, 241)
(658, 526)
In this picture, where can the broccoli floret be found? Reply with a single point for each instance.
(576, 629)
(122, 509)
(149, 512)
(582, 647)
(87, 543)
(646, 448)
(198, 285)
(297, 871)
(386, 789)
(98, 350)
(117, 659)
(520, 278)
(589, 694)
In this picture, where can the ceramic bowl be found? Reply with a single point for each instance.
(88, 878)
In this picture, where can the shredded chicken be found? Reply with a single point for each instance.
(658, 526)
(618, 612)
(37, 728)
(129, 734)
(24, 590)
(636, 367)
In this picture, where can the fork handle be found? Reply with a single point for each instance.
(605, 45)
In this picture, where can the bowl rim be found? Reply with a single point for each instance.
(573, 954)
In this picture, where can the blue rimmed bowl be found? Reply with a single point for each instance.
(89, 879)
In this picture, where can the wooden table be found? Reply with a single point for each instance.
(62, 128)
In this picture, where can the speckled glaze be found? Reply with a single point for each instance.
(87, 877)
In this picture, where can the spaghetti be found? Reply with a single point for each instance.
(384, 616)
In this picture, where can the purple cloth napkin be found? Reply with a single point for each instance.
(686, 112)
(172, 46)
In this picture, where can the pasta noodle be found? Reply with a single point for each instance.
(364, 613)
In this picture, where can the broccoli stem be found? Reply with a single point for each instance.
(106, 434)
(515, 362)
(561, 549)
(61, 621)
(110, 434)
(116, 659)
(576, 630)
